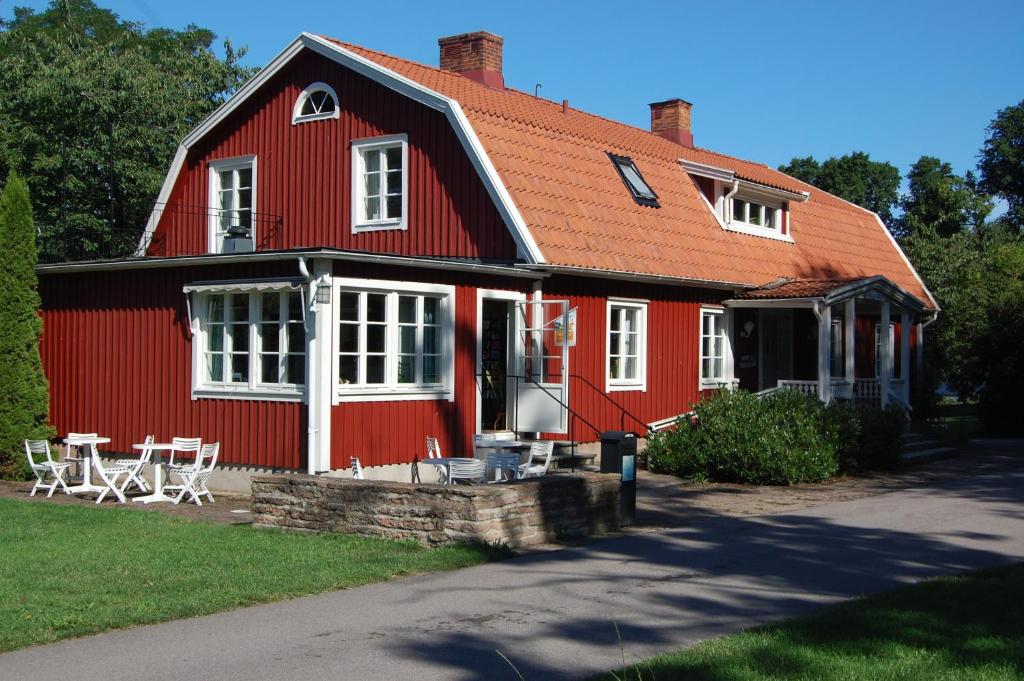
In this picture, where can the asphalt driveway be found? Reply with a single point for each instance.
(553, 614)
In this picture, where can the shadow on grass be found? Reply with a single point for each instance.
(951, 628)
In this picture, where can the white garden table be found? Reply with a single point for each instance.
(158, 473)
(86, 448)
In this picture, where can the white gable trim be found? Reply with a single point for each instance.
(525, 243)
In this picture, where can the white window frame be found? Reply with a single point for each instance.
(358, 149)
(897, 371)
(391, 390)
(215, 240)
(310, 89)
(618, 306)
(723, 211)
(254, 388)
(722, 323)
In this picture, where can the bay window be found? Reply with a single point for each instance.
(394, 340)
(380, 183)
(627, 345)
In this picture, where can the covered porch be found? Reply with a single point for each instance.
(848, 339)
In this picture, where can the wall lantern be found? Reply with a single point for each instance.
(323, 293)
(748, 329)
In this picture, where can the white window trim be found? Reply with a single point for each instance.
(253, 390)
(395, 393)
(357, 148)
(622, 384)
(727, 370)
(213, 188)
(837, 351)
(297, 116)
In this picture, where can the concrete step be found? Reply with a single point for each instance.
(932, 454)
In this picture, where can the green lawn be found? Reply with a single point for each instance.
(70, 570)
(969, 627)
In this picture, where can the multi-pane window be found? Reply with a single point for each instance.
(712, 347)
(627, 330)
(895, 373)
(317, 102)
(233, 201)
(837, 358)
(755, 214)
(391, 340)
(253, 339)
(380, 184)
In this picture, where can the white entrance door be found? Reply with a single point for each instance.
(542, 391)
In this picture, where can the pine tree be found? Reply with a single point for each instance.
(25, 402)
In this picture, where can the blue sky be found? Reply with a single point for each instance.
(768, 81)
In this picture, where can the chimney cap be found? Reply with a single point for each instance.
(674, 100)
(469, 37)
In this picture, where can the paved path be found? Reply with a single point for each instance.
(552, 613)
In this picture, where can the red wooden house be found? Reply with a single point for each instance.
(357, 251)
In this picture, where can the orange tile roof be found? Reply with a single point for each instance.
(555, 167)
(796, 288)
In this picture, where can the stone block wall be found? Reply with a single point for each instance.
(522, 513)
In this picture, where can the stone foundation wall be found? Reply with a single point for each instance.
(522, 513)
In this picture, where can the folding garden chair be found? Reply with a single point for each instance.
(43, 465)
(357, 469)
(434, 452)
(539, 451)
(137, 465)
(194, 476)
(111, 476)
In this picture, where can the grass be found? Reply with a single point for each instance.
(949, 629)
(68, 571)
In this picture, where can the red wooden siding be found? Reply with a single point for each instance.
(303, 174)
(116, 351)
(673, 353)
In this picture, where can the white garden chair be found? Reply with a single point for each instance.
(466, 470)
(357, 469)
(40, 460)
(184, 445)
(110, 475)
(502, 467)
(79, 458)
(193, 476)
(434, 452)
(137, 466)
(539, 451)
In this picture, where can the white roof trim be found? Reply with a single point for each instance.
(527, 245)
(705, 170)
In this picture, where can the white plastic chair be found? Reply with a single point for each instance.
(466, 470)
(137, 465)
(193, 476)
(539, 451)
(45, 466)
(434, 452)
(184, 445)
(78, 459)
(110, 475)
(502, 467)
(357, 469)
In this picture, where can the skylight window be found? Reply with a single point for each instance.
(638, 187)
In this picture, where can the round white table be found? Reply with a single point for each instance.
(158, 470)
(86, 450)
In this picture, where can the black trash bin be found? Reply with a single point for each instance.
(618, 455)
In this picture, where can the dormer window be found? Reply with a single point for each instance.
(753, 214)
(635, 182)
(316, 103)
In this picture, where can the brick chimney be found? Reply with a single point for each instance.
(671, 120)
(474, 55)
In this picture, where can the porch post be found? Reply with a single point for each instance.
(905, 323)
(849, 333)
(824, 351)
(883, 349)
(730, 368)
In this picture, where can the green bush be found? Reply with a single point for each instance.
(785, 438)
(999, 403)
(778, 440)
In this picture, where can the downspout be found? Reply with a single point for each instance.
(312, 395)
(732, 193)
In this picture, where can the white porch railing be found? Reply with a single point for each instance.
(864, 389)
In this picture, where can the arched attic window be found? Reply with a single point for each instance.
(316, 103)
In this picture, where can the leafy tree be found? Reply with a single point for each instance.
(941, 200)
(92, 112)
(25, 403)
(855, 177)
(1002, 162)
